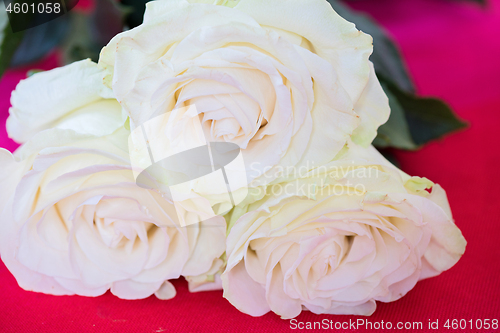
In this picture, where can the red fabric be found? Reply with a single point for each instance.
(453, 52)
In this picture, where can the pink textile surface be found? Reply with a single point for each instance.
(453, 51)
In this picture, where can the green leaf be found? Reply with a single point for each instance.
(395, 132)
(481, 2)
(89, 33)
(428, 118)
(414, 120)
(389, 155)
(79, 43)
(40, 40)
(9, 41)
(386, 56)
(107, 20)
(137, 13)
(32, 72)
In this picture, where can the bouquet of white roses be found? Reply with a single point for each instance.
(229, 143)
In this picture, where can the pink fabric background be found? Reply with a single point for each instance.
(453, 52)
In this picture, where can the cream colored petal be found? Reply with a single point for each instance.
(244, 293)
(98, 119)
(46, 97)
(11, 172)
(278, 300)
(373, 109)
(129, 289)
(26, 278)
(332, 37)
(447, 243)
(166, 291)
(209, 245)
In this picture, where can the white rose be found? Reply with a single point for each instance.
(72, 96)
(73, 220)
(287, 81)
(340, 240)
